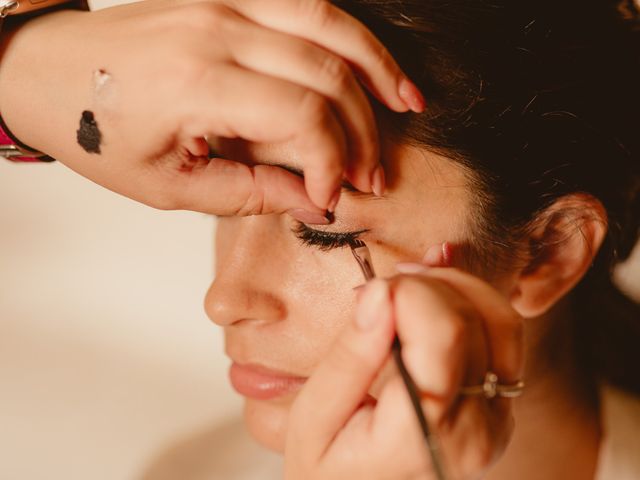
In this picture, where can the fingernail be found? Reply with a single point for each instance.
(411, 95)
(378, 181)
(334, 201)
(311, 218)
(438, 255)
(411, 268)
(372, 304)
(359, 291)
(434, 256)
(330, 217)
(447, 254)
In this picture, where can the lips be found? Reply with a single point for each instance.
(261, 383)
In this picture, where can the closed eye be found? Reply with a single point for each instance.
(325, 241)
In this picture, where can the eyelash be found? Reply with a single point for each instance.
(325, 241)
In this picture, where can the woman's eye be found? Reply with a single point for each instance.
(325, 240)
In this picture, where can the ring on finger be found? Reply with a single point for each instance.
(491, 388)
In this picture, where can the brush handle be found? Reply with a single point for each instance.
(362, 255)
(430, 440)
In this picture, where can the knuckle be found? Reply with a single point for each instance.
(207, 16)
(179, 65)
(254, 202)
(335, 72)
(314, 109)
(317, 131)
(300, 49)
(318, 12)
(252, 206)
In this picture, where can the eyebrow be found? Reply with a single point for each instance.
(298, 171)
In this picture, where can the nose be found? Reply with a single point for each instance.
(228, 302)
(243, 288)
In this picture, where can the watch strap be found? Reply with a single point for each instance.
(20, 7)
(13, 149)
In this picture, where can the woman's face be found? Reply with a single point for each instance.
(283, 292)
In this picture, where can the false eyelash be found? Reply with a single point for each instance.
(325, 241)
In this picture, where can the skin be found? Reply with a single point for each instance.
(325, 280)
(293, 310)
(183, 70)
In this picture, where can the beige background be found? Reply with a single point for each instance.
(106, 355)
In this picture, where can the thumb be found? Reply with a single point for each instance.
(340, 383)
(226, 187)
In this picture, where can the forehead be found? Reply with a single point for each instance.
(428, 200)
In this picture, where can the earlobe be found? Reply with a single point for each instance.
(566, 239)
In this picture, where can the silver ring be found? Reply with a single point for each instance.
(491, 388)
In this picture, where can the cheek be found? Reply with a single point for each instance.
(320, 299)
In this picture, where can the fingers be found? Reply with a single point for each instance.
(442, 337)
(333, 29)
(225, 187)
(301, 62)
(264, 109)
(504, 326)
(444, 347)
(468, 440)
(341, 381)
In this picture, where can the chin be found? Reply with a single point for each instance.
(266, 422)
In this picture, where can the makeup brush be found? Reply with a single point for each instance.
(363, 257)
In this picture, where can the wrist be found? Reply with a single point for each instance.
(23, 42)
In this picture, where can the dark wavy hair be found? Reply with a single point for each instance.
(540, 99)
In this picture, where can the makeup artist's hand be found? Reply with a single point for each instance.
(179, 70)
(453, 327)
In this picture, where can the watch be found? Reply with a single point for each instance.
(10, 147)
(19, 7)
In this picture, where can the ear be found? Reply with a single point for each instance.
(564, 243)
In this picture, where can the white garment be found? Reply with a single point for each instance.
(619, 457)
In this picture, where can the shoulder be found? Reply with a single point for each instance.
(620, 452)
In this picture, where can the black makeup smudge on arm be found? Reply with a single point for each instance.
(89, 135)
